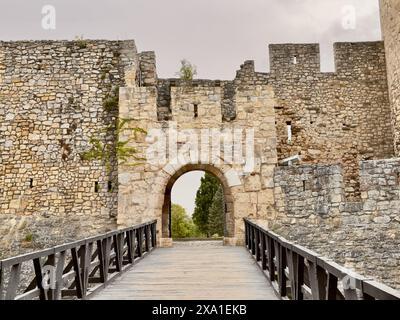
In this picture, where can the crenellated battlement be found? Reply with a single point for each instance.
(304, 59)
(56, 95)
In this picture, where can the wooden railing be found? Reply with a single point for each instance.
(300, 274)
(76, 269)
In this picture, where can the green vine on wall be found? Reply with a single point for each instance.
(111, 101)
(106, 150)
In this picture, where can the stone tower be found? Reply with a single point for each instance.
(390, 21)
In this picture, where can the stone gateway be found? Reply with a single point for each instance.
(312, 155)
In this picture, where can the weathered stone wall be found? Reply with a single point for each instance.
(145, 189)
(339, 117)
(52, 97)
(363, 235)
(390, 24)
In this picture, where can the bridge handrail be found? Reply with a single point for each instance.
(76, 269)
(298, 273)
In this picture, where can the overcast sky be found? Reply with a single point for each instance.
(215, 35)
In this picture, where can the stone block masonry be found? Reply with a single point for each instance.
(342, 200)
(363, 235)
(390, 21)
(52, 97)
(337, 117)
(145, 190)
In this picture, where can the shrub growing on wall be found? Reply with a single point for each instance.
(187, 71)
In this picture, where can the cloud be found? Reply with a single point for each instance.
(216, 35)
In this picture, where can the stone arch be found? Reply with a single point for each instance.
(227, 179)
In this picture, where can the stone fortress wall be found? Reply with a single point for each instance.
(341, 116)
(341, 200)
(311, 209)
(52, 96)
(390, 22)
(144, 190)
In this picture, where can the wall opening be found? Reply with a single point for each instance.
(212, 221)
(96, 187)
(289, 131)
(195, 110)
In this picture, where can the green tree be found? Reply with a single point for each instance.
(182, 225)
(217, 213)
(204, 198)
(187, 71)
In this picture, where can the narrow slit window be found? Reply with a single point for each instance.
(304, 185)
(295, 59)
(195, 110)
(30, 183)
(109, 186)
(96, 187)
(289, 131)
(139, 78)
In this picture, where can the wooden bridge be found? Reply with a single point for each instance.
(106, 267)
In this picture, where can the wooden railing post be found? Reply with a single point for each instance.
(246, 234)
(153, 235)
(263, 248)
(271, 255)
(310, 276)
(257, 244)
(1, 281)
(140, 241)
(253, 240)
(59, 274)
(147, 238)
(78, 275)
(114, 252)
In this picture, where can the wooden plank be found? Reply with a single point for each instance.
(281, 271)
(257, 239)
(117, 239)
(331, 287)
(292, 262)
(154, 235)
(147, 239)
(139, 234)
(204, 271)
(59, 275)
(130, 243)
(39, 278)
(1, 281)
(379, 291)
(13, 282)
(107, 257)
(78, 275)
(263, 249)
(313, 278)
(253, 240)
(300, 278)
(271, 255)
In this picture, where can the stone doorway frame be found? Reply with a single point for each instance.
(229, 218)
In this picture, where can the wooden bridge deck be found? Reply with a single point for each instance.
(192, 270)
